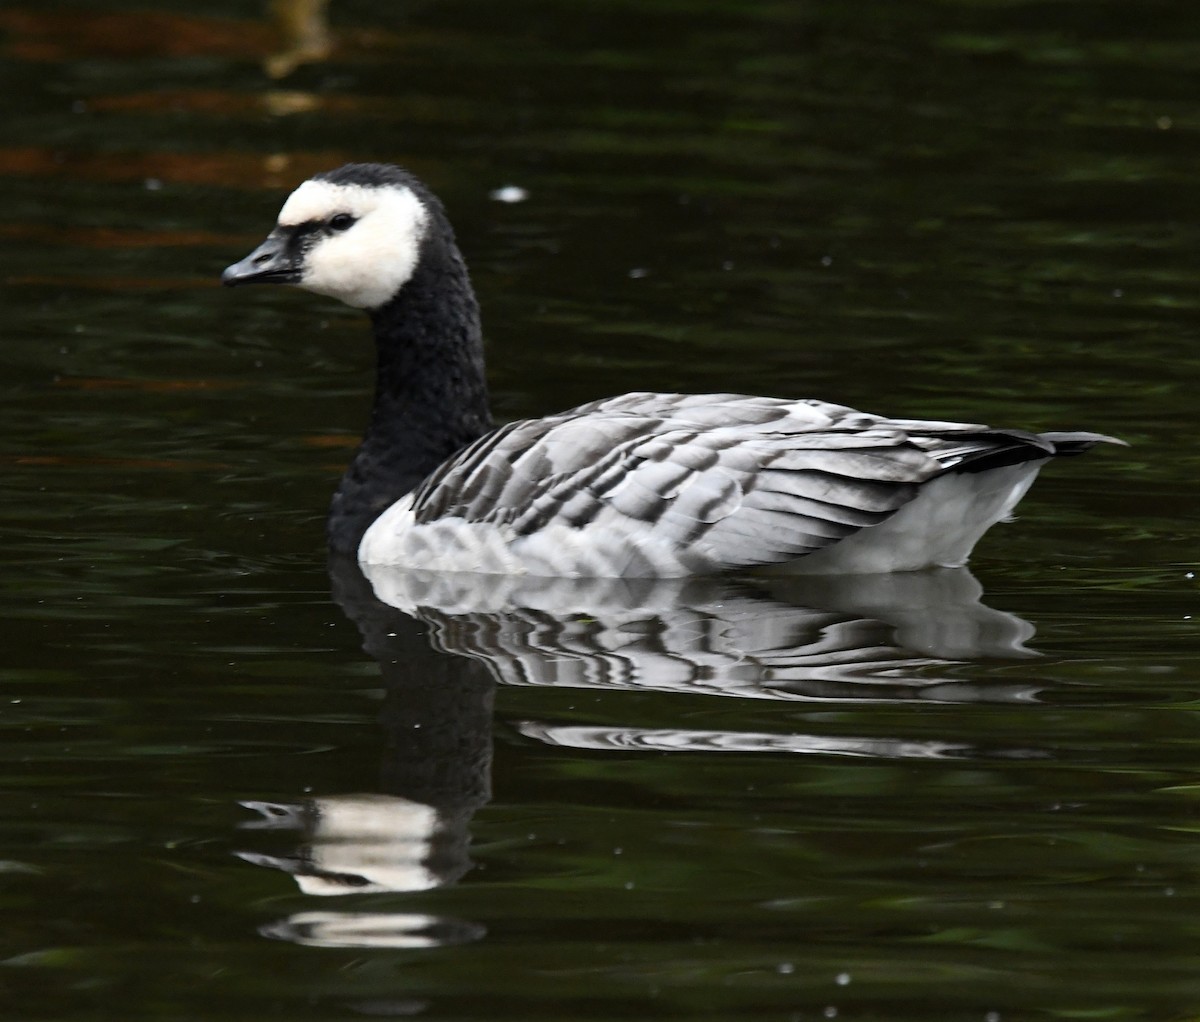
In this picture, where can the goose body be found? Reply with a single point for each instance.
(644, 485)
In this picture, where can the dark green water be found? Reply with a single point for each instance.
(228, 794)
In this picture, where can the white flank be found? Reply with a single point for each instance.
(612, 546)
(937, 529)
(449, 544)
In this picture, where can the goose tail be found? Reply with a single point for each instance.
(1066, 444)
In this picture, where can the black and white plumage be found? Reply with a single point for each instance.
(652, 485)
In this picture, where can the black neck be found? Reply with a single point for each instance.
(430, 393)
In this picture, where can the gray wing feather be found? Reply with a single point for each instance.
(749, 480)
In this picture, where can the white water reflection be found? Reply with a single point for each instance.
(364, 844)
(679, 740)
(857, 637)
(372, 930)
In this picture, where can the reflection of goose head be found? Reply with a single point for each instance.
(356, 844)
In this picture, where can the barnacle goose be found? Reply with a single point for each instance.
(650, 485)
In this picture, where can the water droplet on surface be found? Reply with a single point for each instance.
(509, 194)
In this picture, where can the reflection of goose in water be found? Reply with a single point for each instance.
(857, 637)
(894, 638)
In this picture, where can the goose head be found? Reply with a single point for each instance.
(355, 234)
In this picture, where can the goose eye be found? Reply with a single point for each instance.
(341, 222)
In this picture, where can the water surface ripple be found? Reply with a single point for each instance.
(240, 782)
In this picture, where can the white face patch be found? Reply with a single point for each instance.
(366, 265)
